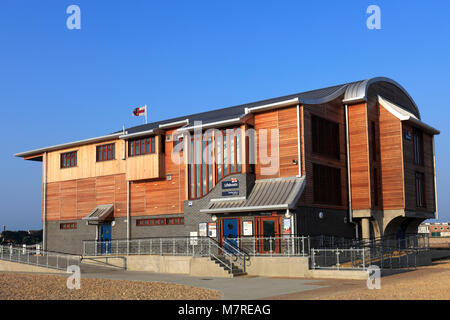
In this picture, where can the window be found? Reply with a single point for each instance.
(227, 150)
(418, 147)
(160, 221)
(375, 187)
(325, 137)
(141, 146)
(106, 152)
(327, 184)
(69, 159)
(374, 142)
(64, 226)
(420, 190)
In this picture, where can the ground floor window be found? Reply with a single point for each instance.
(159, 221)
(64, 226)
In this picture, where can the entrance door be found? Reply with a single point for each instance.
(229, 233)
(105, 238)
(269, 231)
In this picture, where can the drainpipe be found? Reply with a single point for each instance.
(44, 224)
(128, 214)
(298, 142)
(436, 215)
(349, 185)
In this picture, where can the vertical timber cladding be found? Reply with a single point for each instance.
(359, 156)
(411, 168)
(164, 195)
(333, 112)
(392, 175)
(285, 120)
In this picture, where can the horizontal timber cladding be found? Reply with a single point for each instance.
(411, 168)
(359, 156)
(391, 158)
(285, 120)
(87, 165)
(160, 196)
(333, 112)
(75, 199)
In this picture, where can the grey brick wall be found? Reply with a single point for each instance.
(332, 223)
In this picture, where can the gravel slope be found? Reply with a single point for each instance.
(16, 286)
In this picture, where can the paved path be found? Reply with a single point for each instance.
(239, 288)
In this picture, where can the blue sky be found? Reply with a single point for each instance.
(59, 85)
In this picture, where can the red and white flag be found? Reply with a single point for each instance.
(141, 111)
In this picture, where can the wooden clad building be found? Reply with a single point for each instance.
(353, 160)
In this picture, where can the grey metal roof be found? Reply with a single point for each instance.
(353, 91)
(309, 97)
(267, 194)
(100, 213)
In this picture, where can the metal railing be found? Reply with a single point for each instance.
(272, 246)
(386, 253)
(38, 257)
(179, 246)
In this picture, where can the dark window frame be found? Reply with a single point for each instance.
(420, 190)
(68, 159)
(418, 147)
(197, 169)
(142, 146)
(327, 186)
(325, 137)
(106, 152)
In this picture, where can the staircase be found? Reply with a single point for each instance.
(222, 262)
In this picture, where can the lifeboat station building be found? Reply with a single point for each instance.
(353, 160)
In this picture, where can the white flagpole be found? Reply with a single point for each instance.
(146, 114)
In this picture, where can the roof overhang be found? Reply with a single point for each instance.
(215, 124)
(174, 124)
(29, 155)
(404, 115)
(141, 134)
(100, 213)
(271, 106)
(285, 193)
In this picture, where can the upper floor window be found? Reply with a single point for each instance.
(420, 190)
(226, 149)
(418, 147)
(374, 141)
(141, 146)
(325, 137)
(69, 159)
(106, 152)
(326, 184)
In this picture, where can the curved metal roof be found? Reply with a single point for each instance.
(357, 91)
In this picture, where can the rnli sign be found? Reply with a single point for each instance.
(230, 184)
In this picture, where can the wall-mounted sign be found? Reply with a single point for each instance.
(193, 238)
(287, 226)
(407, 135)
(230, 193)
(230, 184)
(247, 228)
(203, 229)
(212, 232)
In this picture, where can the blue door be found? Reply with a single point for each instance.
(105, 238)
(229, 233)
